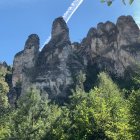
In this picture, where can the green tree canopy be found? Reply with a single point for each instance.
(4, 105)
(3, 88)
(33, 117)
(103, 113)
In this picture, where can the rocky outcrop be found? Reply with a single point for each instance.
(54, 74)
(24, 63)
(128, 31)
(52, 71)
(110, 47)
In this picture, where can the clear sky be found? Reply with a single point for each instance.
(20, 18)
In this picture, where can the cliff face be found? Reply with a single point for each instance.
(24, 63)
(113, 48)
(53, 73)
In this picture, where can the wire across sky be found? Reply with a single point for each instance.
(69, 13)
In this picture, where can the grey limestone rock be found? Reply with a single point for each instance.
(110, 47)
(24, 62)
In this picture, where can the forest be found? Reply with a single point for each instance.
(106, 112)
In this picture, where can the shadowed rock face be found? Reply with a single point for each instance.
(110, 47)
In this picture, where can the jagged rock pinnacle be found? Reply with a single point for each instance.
(109, 47)
(60, 29)
(33, 40)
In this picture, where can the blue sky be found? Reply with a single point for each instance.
(20, 18)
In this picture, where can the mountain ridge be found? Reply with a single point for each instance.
(110, 47)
